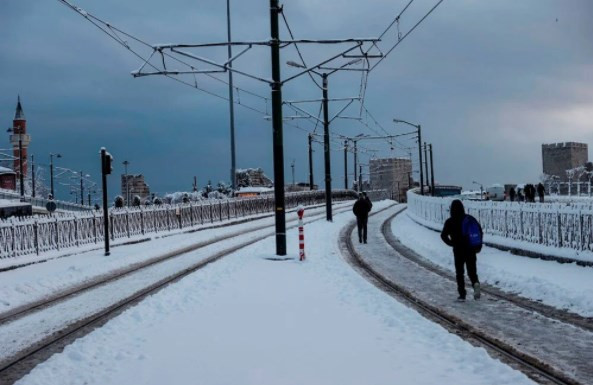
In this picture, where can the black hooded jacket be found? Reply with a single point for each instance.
(452, 234)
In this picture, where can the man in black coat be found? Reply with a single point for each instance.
(361, 209)
(452, 235)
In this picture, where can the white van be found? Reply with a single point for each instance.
(495, 192)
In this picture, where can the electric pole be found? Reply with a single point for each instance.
(328, 181)
(431, 171)
(32, 176)
(231, 98)
(426, 162)
(311, 162)
(346, 164)
(356, 183)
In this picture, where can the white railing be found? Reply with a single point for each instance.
(563, 225)
(24, 236)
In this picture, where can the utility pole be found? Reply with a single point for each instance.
(106, 168)
(356, 182)
(126, 163)
(231, 98)
(431, 171)
(51, 172)
(360, 178)
(426, 162)
(277, 131)
(419, 129)
(346, 164)
(311, 184)
(32, 176)
(292, 167)
(328, 186)
(22, 176)
(81, 190)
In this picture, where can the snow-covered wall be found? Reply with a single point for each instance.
(563, 225)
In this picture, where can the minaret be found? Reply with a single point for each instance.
(19, 133)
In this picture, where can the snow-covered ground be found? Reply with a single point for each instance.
(38, 281)
(248, 320)
(565, 286)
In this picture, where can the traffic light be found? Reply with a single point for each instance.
(107, 162)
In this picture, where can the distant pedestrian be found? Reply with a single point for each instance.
(540, 192)
(530, 193)
(361, 209)
(512, 194)
(464, 234)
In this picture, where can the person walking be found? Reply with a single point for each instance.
(540, 192)
(361, 210)
(464, 234)
(512, 194)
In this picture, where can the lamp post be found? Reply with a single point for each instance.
(126, 163)
(419, 129)
(51, 172)
(32, 176)
(481, 189)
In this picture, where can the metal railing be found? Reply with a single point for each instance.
(562, 225)
(24, 236)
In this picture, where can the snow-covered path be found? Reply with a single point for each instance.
(249, 320)
(565, 286)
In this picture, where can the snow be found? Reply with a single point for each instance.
(249, 320)
(565, 286)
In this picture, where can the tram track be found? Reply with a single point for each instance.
(563, 316)
(14, 366)
(531, 366)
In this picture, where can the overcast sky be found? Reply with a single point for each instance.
(489, 81)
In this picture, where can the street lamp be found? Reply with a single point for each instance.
(126, 163)
(51, 172)
(419, 128)
(481, 189)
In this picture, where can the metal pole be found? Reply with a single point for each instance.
(431, 170)
(420, 159)
(277, 131)
(32, 176)
(51, 174)
(81, 190)
(21, 167)
(105, 212)
(89, 197)
(292, 168)
(360, 178)
(328, 183)
(356, 182)
(346, 164)
(426, 162)
(231, 99)
(311, 184)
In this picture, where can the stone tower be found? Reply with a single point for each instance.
(19, 134)
(559, 157)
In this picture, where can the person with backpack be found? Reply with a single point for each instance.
(368, 201)
(512, 194)
(361, 210)
(464, 234)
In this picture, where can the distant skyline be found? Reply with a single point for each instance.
(488, 81)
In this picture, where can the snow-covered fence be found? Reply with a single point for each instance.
(41, 202)
(549, 224)
(23, 236)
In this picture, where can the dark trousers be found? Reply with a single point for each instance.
(465, 258)
(361, 223)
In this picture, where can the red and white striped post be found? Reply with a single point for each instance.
(300, 213)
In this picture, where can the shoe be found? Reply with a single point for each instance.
(365, 241)
(360, 240)
(477, 291)
(460, 299)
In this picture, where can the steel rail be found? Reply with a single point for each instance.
(530, 366)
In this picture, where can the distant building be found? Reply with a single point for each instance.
(559, 157)
(391, 174)
(249, 192)
(253, 177)
(132, 185)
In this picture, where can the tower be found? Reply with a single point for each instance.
(19, 134)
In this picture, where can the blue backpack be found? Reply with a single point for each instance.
(470, 228)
